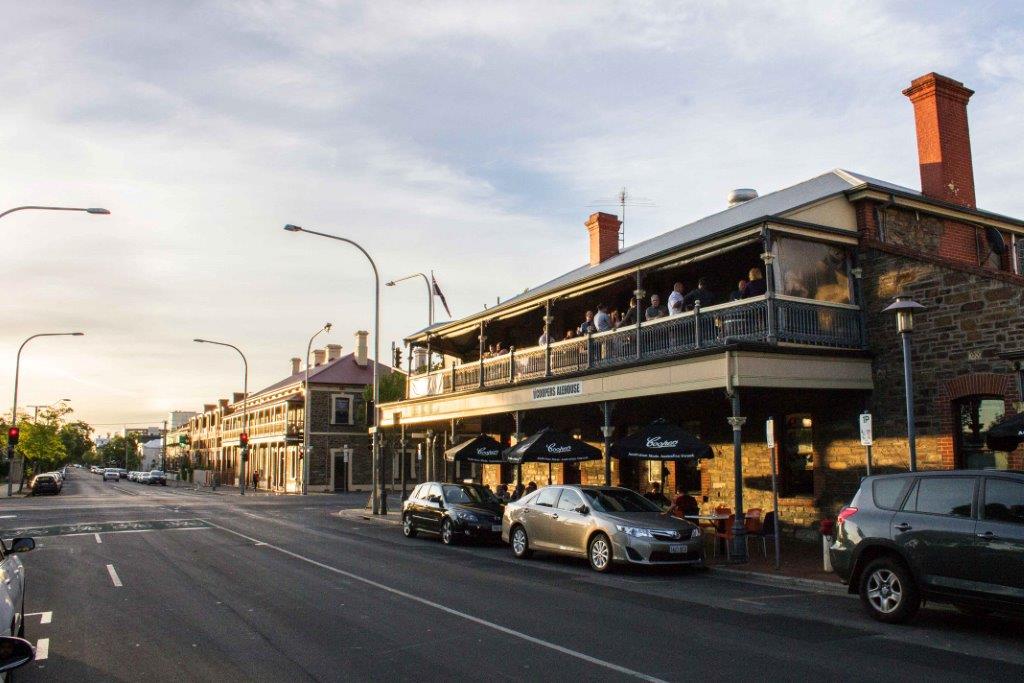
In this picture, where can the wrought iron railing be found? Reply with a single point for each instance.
(764, 319)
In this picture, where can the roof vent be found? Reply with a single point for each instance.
(740, 195)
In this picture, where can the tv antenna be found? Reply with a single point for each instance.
(622, 200)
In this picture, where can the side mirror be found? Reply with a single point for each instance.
(15, 652)
(583, 509)
(22, 545)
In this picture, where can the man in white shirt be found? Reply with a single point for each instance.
(675, 299)
(602, 321)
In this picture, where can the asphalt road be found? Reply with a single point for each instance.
(130, 582)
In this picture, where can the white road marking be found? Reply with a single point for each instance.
(113, 576)
(42, 649)
(98, 539)
(8, 516)
(454, 612)
(44, 617)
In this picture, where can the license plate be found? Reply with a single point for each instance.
(677, 548)
(496, 527)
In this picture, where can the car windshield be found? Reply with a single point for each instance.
(464, 493)
(160, 472)
(619, 500)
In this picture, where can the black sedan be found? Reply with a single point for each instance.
(452, 511)
(45, 483)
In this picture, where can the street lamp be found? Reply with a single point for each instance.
(245, 416)
(17, 373)
(904, 309)
(305, 418)
(430, 293)
(101, 212)
(380, 502)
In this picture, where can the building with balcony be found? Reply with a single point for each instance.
(802, 340)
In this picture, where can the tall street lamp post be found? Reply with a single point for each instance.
(430, 293)
(101, 212)
(904, 309)
(17, 374)
(243, 438)
(380, 501)
(307, 411)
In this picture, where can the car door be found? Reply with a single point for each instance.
(1000, 539)
(541, 517)
(11, 591)
(935, 531)
(433, 508)
(569, 526)
(415, 502)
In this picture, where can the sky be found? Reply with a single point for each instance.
(467, 138)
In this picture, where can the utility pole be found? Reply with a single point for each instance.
(163, 450)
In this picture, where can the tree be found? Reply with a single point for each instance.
(76, 437)
(114, 452)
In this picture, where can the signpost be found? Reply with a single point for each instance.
(769, 428)
(866, 439)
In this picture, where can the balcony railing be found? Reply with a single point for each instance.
(765, 319)
(289, 429)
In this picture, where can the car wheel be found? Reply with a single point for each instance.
(520, 543)
(888, 591)
(447, 532)
(599, 552)
(408, 528)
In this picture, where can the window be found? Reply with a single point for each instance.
(972, 418)
(548, 496)
(796, 460)
(570, 500)
(889, 492)
(341, 410)
(434, 490)
(949, 496)
(811, 270)
(1004, 501)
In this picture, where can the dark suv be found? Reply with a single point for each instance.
(952, 536)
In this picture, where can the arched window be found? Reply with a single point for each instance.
(972, 418)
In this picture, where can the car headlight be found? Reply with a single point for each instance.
(633, 531)
(466, 516)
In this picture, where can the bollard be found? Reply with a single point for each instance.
(826, 527)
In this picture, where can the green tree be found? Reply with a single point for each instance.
(76, 437)
(112, 453)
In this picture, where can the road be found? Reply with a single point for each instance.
(130, 582)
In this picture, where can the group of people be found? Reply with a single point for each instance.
(504, 495)
(679, 301)
(681, 506)
(496, 350)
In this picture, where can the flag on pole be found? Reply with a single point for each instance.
(439, 294)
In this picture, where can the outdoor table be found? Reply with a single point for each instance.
(715, 518)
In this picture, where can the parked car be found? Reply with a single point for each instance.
(111, 474)
(156, 477)
(122, 473)
(12, 586)
(44, 483)
(452, 511)
(951, 536)
(605, 524)
(143, 478)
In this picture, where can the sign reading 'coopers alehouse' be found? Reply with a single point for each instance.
(558, 391)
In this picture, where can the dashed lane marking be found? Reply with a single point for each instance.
(44, 617)
(98, 539)
(113, 576)
(42, 649)
(8, 516)
(454, 612)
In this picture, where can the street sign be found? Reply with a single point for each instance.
(865, 429)
(769, 432)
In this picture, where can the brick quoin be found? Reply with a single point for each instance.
(604, 236)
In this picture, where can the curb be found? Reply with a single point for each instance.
(781, 580)
(359, 513)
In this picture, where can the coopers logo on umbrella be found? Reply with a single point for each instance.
(553, 448)
(658, 442)
(486, 451)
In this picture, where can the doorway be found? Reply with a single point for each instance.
(340, 471)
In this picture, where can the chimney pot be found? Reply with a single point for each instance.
(237, 397)
(361, 352)
(333, 352)
(943, 138)
(604, 236)
(296, 365)
(318, 357)
(222, 403)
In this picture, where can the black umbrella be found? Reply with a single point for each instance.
(481, 448)
(661, 441)
(1006, 435)
(550, 446)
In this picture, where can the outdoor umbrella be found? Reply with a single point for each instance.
(661, 441)
(1006, 435)
(480, 448)
(551, 446)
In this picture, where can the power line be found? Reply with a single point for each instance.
(622, 200)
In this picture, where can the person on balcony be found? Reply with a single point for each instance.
(543, 341)
(655, 310)
(675, 299)
(702, 294)
(587, 325)
(741, 291)
(602, 321)
(756, 285)
(630, 317)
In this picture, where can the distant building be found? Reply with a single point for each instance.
(178, 418)
(151, 455)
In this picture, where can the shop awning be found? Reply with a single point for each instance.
(480, 448)
(661, 440)
(1006, 435)
(551, 446)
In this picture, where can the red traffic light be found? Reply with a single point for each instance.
(243, 438)
(12, 436)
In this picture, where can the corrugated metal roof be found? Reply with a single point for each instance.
(343, 370)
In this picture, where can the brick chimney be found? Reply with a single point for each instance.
(361, 352)
(604, 236)
(943, 140)
(237, 397)
(296, 365)
(333, 352)
(222, 403)
(209, 407)
(318, 357)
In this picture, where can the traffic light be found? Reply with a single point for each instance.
(398, 357)
(12, 436)
(243, 438)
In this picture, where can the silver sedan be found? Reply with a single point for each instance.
(605, 524)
